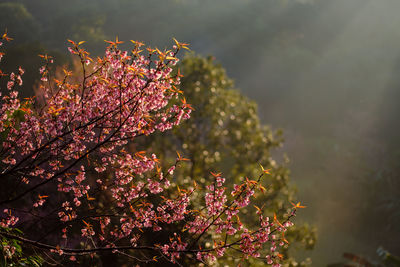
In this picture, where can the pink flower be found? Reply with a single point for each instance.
(10, 85)
(75, 146)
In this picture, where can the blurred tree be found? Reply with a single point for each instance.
(386, 259)
(27, 55)
(27, 32)
(381, 205)
(19, 21)
(225, 125)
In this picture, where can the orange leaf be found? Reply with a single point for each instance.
(216, 174)
(89, 198)
(297, 205)
(6, 37)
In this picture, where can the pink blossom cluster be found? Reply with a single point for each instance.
(9, 219)
(222, 220)
(65, 154)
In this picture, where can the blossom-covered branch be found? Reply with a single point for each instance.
(65, 149)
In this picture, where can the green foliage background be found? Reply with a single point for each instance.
(224, 134)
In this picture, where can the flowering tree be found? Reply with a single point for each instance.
(53, 145)
(225, 133)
